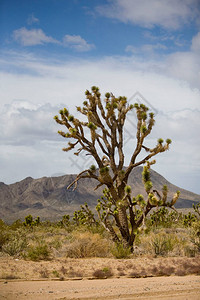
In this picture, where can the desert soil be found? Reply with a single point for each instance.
(65, 279)
(173, 287)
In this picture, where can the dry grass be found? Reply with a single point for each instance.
(62, 269)
(168, 242)
(86, 244)
(82, 252)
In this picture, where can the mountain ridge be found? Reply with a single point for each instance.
(49, 198)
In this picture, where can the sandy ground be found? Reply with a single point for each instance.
(173, 287)
(69, 268)
(75, 278)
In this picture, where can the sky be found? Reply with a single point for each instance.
(51, 51)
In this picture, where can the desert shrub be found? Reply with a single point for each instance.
(138, 273)
(189, 219)
(163, 218)
(161, 243)
(44, 273)
(196, 208)
(4, 237)
(2, 224)
(56, 243)
(119, 251)
(104, 273)
(9, 276)
(38, 252)
(65, 222)
(55, 273)
(86, 244)
(98, 228)
(85, 216)
(16, 225)
(190, 250)
(29, 222)
(195, 234)
(15, 245)
(63, 270)
(165, 270)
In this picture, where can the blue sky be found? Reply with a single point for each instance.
(53, 50)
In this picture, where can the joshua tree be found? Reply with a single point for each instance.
(197, 208)
(101, 135)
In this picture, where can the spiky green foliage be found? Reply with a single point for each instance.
(164, 218)
(29, 221)
(65, 222)
(92, 168)
(128, 189)
(196, 208)
(160, 141)
(101, 135)
(84, 216)
(189, 219)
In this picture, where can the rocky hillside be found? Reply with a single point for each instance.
(49, 198)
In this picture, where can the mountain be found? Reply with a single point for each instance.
(49, 198)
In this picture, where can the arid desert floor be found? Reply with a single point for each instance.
(173, 287)
(74, 279)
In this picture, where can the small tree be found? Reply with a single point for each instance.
(196, 208)
(101, 135)
(84, 216)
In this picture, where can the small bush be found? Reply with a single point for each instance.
(55, 273)
(86, 244)
(118, 251)
(15, 246)
(180, 272)
(44, 273)
(39, 252)
(137, 274)
(190, 250)
(195, 234)
(9, 276)
(168, 270)
(56, 243)
(4, 237)
(16, 225)
(104, 273)
(63, 270)
(163, 244)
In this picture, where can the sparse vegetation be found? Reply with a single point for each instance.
(38, 252)
(106, 272)
(170, 246)
(86, 244)
(118, 251)
(76, 240)
(15, 245)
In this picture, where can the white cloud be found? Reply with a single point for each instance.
(170, 14)
(196, 43)
(77, 42)
(32, 37)
(35, 37)
(177, 39)
(145, 48)
(183, 160)
(186, 65)
(25, 123)
(27, 126)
